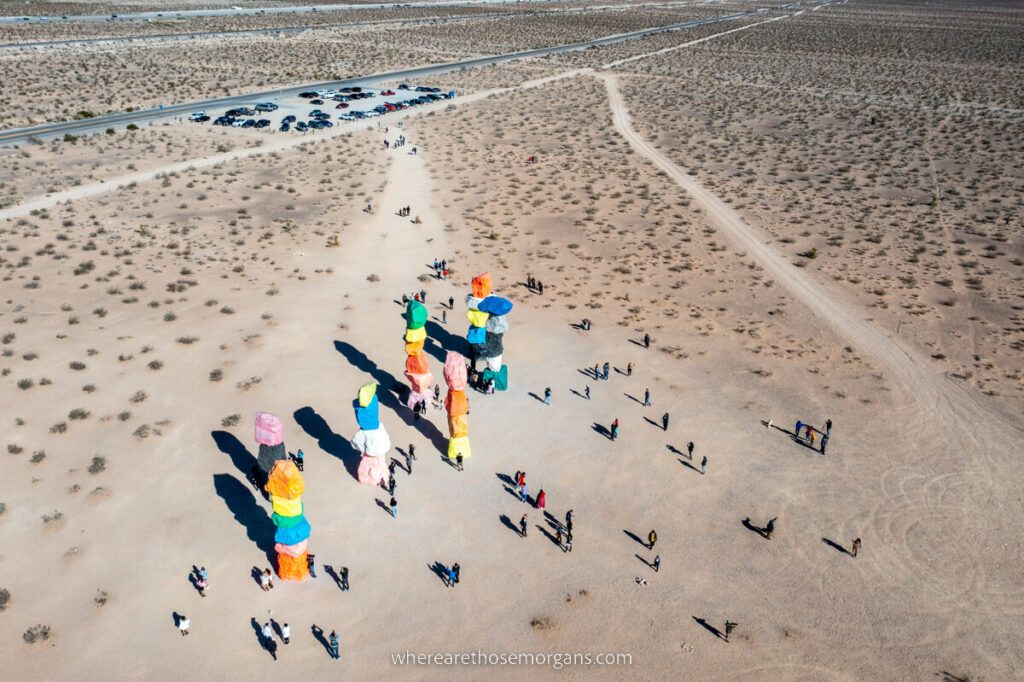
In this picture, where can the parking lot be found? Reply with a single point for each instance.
(325, 108)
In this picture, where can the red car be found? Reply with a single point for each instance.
(388, 93)
(343, 105)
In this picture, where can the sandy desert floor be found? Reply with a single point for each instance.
(162, 286)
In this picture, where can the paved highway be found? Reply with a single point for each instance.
(228, 11)
(100, 123)
(438, 19)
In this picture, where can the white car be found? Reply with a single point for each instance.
(240, 122)
(371, 113)
(196, 114)
(347, 117)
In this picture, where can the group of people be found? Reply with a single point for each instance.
(534, 284)
(441, 272)
(807, 434)
(451, 575)
(404, 211)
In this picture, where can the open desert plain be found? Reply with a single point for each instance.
(474, 339)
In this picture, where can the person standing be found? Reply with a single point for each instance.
(689, 450)
(394, 508)
(568, 521)
(769, 530)
(542, 499)
(300, 460)
(458, 461)
(703, 464)
(333, 641)
(270, 579)
(629, 369)
(391, 467)
(607, 369)
(524, 496)
(558, 537)
(828, 428)
(652, 537)
(451, 303)
(184, 624)
(444, 316)
(799, 428)
(664, 422)
(568, 542)
(615, 429)
(855, 548)
(268, 635)
(522, 526)
(647, 340)
(547, 396)
(344, 578)
(286, 633)
(657, 562)
(647, 397)
(311, 564)
(410, 457)
(729, 627)
(540, 288)
(586, 391)
(201, 586)
(456, 572)
(810, 437)
(824, 444)
(423, 295)
(391, 484)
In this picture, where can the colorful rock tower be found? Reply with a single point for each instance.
(488, 322)
(457, 405)
(371, 439)
(286, 485)
(416, 370)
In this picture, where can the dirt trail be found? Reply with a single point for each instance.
(932, 393)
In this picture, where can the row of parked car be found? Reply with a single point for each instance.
(241, 117)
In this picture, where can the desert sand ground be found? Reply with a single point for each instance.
(151, 311)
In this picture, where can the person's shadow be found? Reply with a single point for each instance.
(507, 483)
(634, 536)
(675, 451)
(247, 512)
(507, 522)
(837, 547)
(535, 396)
(548, 534)
(710, 628)
(603, 430)
(382, 505)
(636, 400)
(651, 421)
(256, 575)
(589, 372)
(333, 575)
(688, 465)
(333, 444)
(647, 563)
(440, 570)
(318, 633)
(763, 532)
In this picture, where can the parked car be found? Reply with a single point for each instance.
(315, 112)
(342, 105)
(196, 114)
(266, 106)
(388, 93)
(248, 123)
(239, 122)
(301, 126)
(284, 127)
(316, 101)
(404, 86)
(307, 95)
(288, 119)
(223, 121)
(262, 123)
(347, 116)
(199, 119)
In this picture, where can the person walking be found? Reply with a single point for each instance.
(410, 457)
(391, 484)
(647, 397)
(184, 624)
(689, 450)
(311, 564)
(664, 422)
(568, 542)
(456, 572)
(652, 538)
(629, 369)
(729, 627)
(394, 508)
(344, 578)
(615, 429)
(523, 494)
(522, 526)
(657, 562)
(547, 396)
(391, 467)
(703, 464)
(769, 530)
(286, 633)
(201, 586)
(586, 391)
(203, 574)
(542, 499)
(855, 548)
(333, 641)
(647, 340)
(268, 635)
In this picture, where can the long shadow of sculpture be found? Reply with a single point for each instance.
(390, 393)
(446, 340)
(247, 512)
(316, 427)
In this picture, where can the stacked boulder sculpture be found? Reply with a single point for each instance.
(488, 323)
(286, 485)
(416, 370)
(457, 405)
(371, 439)
(270, 438)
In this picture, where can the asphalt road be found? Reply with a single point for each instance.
(438, 19)
(227, 12)
(100, 123)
